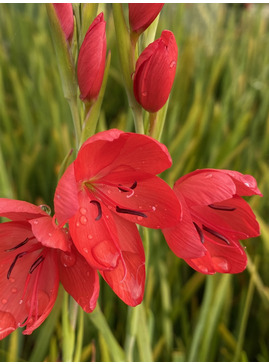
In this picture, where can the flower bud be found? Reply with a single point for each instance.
(142, 15)
(65, 15)
(91, 60)
(155, 72)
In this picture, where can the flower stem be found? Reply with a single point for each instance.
(76, 120)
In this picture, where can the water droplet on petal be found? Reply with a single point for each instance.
(86, 250)
(139, 218)
(87, 273)
(4, 301)
(106, 253)
(157, 226)
(20, 302)
(11, 280)
(35, 222)
(77, 224)
(46, 209)
(140, 207)
(83, 211)
(144, 93)
(202, 268)
(83, 220)
(173, 64)
(14, 290)
(50, 234)
(109, 192)
(153, 208)
(221, 264)
(90, 236)
(58, 197)
(68, 259)
(209, 175)
(247, 184)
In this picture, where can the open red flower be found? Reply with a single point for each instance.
(155, 72)
(30, 268)
(104, 193)
(92, 59)
(214, 219)
(142, 15)
(65, 15)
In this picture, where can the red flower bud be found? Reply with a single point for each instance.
(65, 15)
(142, 15)
(155, 72)
(91, 59)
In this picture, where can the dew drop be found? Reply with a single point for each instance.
(77, 224)
(46, 209)
(140, 207)
(87, 273)
(247, 184)
(107, 216)
(90, 237)
(4, 301)
(50, 234)
(58, 197)
(202, 268)
(83, 220)
(86, 250)
(83, 211)
(109, 192)
(11, 280)
(221, 264)
(153, 208)
(209, 175)
(157, 226)
(68, 259)
(14, 290)
(139, 218)
(20, 302)
(35, 222)
(144, 93)
(173, 64)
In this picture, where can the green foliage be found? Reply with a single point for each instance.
(218, 117)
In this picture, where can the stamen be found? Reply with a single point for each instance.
(14, 262)
(215, 233)
(99, 209)
(131, 212)
(36, 264)
(127, 189)
(199, 231)
(17, 246)
(223, 208)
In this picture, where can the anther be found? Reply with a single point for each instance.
(17, 246)
(130, 212)
(14, 262)
(96, 203)
(222, 208)
(200, 233)
(215, 233)
(36, 264)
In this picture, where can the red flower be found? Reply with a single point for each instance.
(155, 72)
(214, 219)
(91, 60)
(142, 15)
(104, 193)
(30, 268)
(65, 15)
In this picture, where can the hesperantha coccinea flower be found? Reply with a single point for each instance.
(214, 218)
(35, 254)
(109, 188)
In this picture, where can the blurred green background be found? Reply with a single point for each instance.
(218, 117)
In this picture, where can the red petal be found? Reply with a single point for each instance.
(246, 185)
(48, 234)
(128, 279)
(205, 187)
(151, 197)
(113, 148)
(95, 239)
(238, 224)
(65, 15)
(7, 324)
(142, 15)
(79, 279)
(183, 239)
(19, 210)
(66, 196)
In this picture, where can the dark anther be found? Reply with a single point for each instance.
(36, 264)
(14, 262)
(199, 231)
(130, 212)
(223, 208)
(127, 189)
(215, 233)
(18, 246)
(96, 203)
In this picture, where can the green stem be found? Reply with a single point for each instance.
(99, 321)
(76, 120)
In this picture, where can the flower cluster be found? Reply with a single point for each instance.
(109, 189)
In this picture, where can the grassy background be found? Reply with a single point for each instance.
(218, 117)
